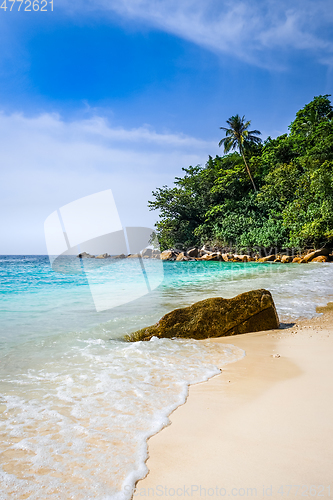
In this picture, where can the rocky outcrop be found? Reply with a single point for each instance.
(216, 317)
(193, 252)
(85, 255)
(286, 259)
(147, 253)
(211, 256)
(208, 255)
(317, 253)
(226, 257)
(168, 255)
(269, 258)
(320, 258)
(182, 257)
(242, 258)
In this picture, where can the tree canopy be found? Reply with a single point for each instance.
(293, 204)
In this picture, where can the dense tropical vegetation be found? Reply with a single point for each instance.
(291, 205)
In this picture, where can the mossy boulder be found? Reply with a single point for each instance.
(252, 311)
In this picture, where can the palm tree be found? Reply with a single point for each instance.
(238, 137)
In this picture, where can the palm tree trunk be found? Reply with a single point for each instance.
(248, 170)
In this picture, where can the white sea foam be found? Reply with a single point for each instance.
(77, 425)
(77, 405)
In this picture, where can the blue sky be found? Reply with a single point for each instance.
(121, 94)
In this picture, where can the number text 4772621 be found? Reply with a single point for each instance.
(26, 5)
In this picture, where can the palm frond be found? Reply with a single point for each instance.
(239, 137)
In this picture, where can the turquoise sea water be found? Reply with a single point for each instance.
(77, 402)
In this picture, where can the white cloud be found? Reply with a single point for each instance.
(254, 31)
(47, 162)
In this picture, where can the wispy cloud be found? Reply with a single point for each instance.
(255, 31)
(47, 162)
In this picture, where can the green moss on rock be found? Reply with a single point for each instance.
(217, 317)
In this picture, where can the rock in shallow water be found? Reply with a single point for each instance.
(320, 258)
(317, 253)
(269, 258)
(252, 311)
(103, 256)
(167, 255)
(85, 255)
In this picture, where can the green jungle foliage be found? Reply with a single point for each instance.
(291, 205)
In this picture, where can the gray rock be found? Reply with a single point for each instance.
(85, 255)
(147, 253)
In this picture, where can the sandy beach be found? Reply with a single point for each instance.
(263, 428)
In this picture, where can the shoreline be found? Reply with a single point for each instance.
(264, 423)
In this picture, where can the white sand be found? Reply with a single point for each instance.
(265, 422)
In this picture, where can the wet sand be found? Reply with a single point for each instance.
(262, 429)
